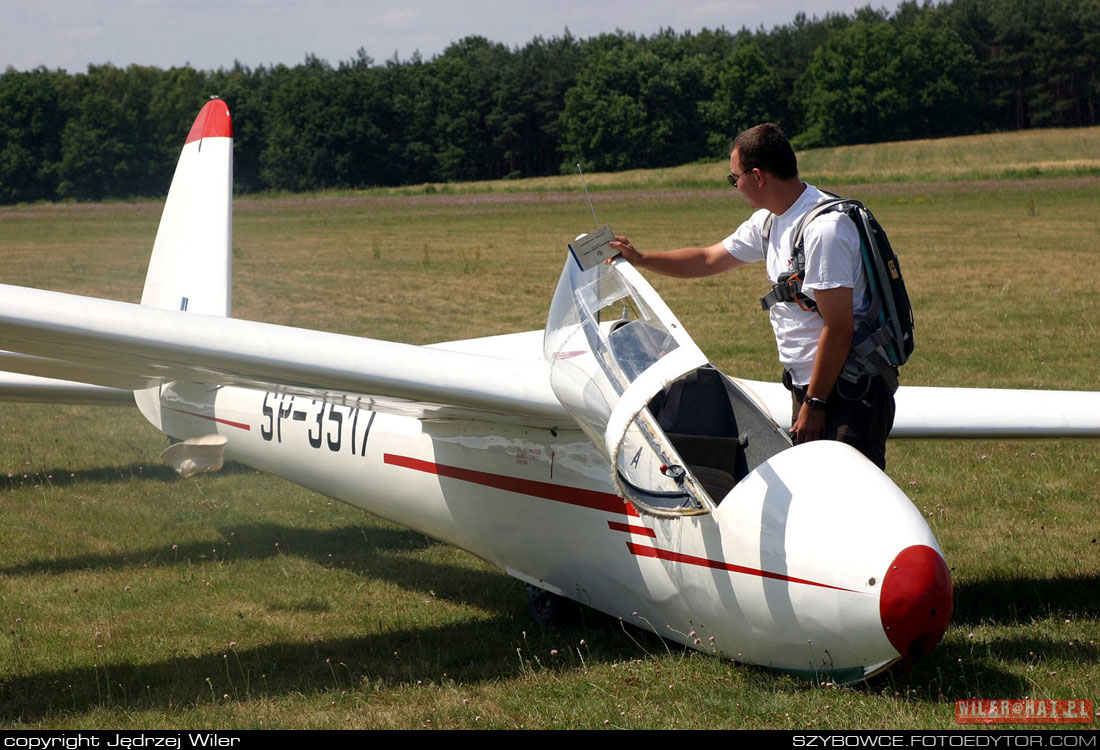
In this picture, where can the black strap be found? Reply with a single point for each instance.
(785, 290)
(865, 356)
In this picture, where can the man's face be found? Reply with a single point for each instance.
(748, 182)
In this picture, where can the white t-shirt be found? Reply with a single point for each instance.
(831, 244)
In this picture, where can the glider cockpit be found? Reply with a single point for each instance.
(679, 433)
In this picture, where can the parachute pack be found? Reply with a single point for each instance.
(884, 340)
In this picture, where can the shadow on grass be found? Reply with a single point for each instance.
(501, 647)
(977, 669)
(366, 551)
(1020, 600)
(64, 477)
(974, 667)
(370, 552)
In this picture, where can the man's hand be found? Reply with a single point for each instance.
(810, 424)
(835, 307)
(622, 244)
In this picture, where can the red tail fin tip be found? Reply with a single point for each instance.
(213, 122)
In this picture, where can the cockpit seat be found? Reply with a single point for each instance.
(696, 414)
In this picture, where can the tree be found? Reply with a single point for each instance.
(635, 108)
(97, 158)
(31, 120)
(788, 50)
(525, 122)
(874, 82)
(746, 93)
(301, 127)
(462, 86)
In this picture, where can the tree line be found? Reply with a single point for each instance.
(483, 110)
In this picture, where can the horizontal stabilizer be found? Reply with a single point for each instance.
(36, 390)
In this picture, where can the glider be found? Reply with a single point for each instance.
(652, 486)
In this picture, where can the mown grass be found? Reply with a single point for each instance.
(129, 598)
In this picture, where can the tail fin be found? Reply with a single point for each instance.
(191, 266)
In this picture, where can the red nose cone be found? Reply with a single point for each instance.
(915, 605)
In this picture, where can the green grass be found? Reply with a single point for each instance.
(129, 598)
(1068, 152)
(1021, 154)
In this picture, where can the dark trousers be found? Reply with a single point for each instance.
(862, 423)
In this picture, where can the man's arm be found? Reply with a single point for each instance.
(835, 306)
(685, 263)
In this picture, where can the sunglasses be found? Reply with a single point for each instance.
(732, 178)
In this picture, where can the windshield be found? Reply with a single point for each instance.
(612, 345)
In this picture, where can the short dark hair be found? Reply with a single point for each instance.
(765, 147)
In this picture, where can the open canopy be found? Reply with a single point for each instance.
(613, 345)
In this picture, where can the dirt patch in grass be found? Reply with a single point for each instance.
(265, 204)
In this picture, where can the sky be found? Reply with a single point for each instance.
(211, 34)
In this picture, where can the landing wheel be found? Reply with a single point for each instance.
(549, 609)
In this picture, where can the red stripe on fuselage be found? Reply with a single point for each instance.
(593, 499)
(588, 499)
(238, 425)
(664, 554)
(631, 528)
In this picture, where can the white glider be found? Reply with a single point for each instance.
(603, 460)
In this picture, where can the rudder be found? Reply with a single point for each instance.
(191, 265)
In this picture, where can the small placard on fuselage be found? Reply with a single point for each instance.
(592, 249)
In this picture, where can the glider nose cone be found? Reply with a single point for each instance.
(915, 603)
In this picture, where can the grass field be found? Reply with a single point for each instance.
(1068, 152)
(132, 599)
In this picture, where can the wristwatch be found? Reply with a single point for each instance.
(815, 403)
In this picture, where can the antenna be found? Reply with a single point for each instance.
(588, 195)
(592, 248)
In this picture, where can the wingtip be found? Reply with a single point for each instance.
(213, 121)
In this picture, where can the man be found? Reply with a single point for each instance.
(813, 345)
